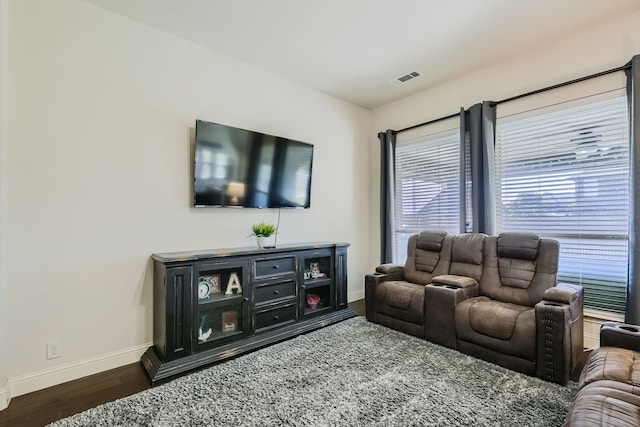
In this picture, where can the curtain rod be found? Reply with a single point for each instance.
(578, 80)
(427, 123)
(513, 98)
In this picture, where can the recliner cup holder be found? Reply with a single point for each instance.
(555, 304)
(628, 328)
(442, 285)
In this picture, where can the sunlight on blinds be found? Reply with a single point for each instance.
(427, 186)
(563, 172)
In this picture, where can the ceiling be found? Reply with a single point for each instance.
(352, 49)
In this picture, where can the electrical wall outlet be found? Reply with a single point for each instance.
(53, 350)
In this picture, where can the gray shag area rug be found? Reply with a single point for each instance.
(353, 373)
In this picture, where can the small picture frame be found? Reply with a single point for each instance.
(214, 281)
(229, 321)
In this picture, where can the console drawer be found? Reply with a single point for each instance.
(275, 267)
(275, 291)
(275, 317)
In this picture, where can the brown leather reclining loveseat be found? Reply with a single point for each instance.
(493, 297)
(608, 392)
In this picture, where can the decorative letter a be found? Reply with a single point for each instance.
(234, 284)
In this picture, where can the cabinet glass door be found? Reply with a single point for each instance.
(221, 304)
(317, 284)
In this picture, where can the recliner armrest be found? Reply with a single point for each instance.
(454, 281)
(390, 269)
(383, 273)
(563, 293)
(441, 297)
(617, 334)
(559, 329)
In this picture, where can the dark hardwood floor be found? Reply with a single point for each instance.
(45, 406)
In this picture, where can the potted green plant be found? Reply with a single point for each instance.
(262, 231)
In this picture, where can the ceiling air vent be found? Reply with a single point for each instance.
(405, 78)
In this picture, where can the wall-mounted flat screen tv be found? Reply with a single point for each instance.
(241, 168)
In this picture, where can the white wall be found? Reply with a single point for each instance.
(601, 48)
(102, 113)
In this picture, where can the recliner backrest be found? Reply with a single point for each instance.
(467, 255)
(428, 255)
(519, 267)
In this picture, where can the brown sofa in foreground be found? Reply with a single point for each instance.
(493, 297)
(609, 386)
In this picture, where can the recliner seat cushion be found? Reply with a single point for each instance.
(612, 363)
(609, 392)
(494, 318)
(401, 300)
(498, 326)
(604, 404)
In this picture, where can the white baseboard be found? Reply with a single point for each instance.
(28, 383)
(355, 296)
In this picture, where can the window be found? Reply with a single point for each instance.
(427, 186)
(562, 171)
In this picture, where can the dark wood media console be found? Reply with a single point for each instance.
(216, 304)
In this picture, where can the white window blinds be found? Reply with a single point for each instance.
(427, 187)
(562, 171)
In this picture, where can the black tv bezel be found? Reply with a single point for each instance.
(253, 132)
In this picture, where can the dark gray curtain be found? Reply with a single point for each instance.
(387, 183)
(464, 142)
(477, 126)
(633, 288)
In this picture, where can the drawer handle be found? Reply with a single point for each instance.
(276, 317)
(276, 266)
(276, 292)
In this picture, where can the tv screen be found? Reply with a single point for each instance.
(241, 168)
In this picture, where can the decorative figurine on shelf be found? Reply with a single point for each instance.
(202, 335)
(315, 270)
(233, 287)
(313, 300)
